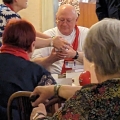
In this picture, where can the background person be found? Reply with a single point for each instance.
(53, 60)
(17, 72)
(94, 101)
(108, 9)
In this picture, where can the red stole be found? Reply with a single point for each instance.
(14, 51)
(8, 5)
(75, 46)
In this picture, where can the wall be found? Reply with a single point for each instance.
(87, 14)
(32, 13)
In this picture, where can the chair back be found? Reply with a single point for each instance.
(20, 102)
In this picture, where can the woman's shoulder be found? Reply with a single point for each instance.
(101, 88)
(89, 86)
(7, 13)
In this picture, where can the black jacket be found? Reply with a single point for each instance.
(18, 74)
(108, 9)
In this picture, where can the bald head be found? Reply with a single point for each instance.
(67, 9)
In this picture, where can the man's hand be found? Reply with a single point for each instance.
(60, 43)
(67, 53)
(54, 56)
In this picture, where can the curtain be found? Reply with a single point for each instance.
(48, 8)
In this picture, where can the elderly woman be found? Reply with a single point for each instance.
(17, 72)
(9, 10)
(95, 101)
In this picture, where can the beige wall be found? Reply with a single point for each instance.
(32, 13)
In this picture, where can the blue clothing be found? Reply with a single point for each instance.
(18, 74)
(5, 15)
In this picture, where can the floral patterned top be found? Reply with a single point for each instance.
(5, 15)
(92, 102)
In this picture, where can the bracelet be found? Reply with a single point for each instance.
(37, 114)
(51, 42)
(56, 90)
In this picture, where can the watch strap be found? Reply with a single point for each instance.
(76, 56)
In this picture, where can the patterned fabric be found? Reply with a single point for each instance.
(74, 3)
(92, 102)
(5, 15)
(47, 80)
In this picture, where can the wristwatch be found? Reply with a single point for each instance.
(76, 56)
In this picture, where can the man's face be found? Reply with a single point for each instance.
(66, 22)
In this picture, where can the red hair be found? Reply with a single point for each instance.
(19, 33)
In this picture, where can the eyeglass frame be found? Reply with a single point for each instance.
(63, 20)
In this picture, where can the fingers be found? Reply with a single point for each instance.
(41, 105)
(67, 47)
(38, 99)
(66, 43)
(61, 55)
(60, 43)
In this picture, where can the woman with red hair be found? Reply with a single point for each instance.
(17, 72)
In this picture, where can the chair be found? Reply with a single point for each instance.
(24, 107)
(22, 104)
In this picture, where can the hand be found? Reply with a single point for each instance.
(41, 109)
(54, 56)
(67, 53)
(44, 92)
(60, 43)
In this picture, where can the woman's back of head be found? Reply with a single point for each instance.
(102, 46)
(7, 1)
(19, 33)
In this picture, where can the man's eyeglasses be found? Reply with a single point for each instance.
(63, 20)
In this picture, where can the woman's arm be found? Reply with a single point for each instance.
(41, 35)
(46, 92)
(57, 42)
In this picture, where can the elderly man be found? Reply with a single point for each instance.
(71, 58)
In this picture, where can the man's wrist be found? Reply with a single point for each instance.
(76, 56)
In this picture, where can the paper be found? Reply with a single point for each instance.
(74, 76)
(64, 81)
